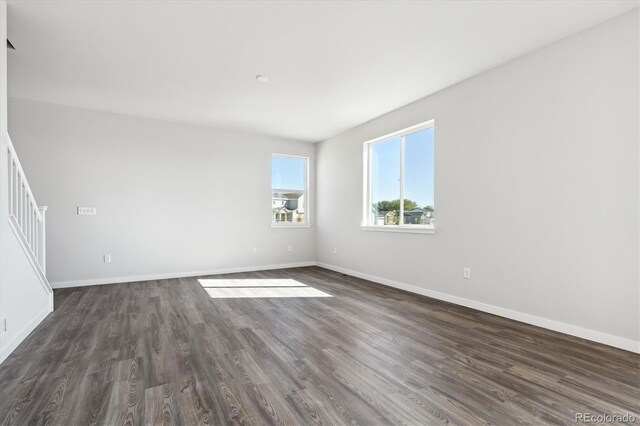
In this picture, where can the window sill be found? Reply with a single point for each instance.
(412, 229)
(291, 225)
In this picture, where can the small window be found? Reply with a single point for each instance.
(289, 198)
(399, 181)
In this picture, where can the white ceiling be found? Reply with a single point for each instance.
(331, 65)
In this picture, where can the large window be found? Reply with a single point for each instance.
(399, 181)
(289, 198)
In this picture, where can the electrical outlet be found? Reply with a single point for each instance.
(289, 249)
(254, 251)
(107, 258)
(467, 273)
(87, 211)
(335, 250)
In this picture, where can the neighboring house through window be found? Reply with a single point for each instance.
(288, 190)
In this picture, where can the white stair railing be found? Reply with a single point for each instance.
(24, 213)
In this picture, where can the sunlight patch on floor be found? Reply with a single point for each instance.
(258, 288)
(226, 293)
(251, 283)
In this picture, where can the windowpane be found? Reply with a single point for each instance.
(399, 180)
(385, 182)
(288, 172)
(418, 178)
(288, 185)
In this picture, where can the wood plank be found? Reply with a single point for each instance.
(164, 352)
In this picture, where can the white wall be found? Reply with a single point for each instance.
(536, 190)
(23, 300)
(172, 199)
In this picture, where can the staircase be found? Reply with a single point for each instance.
(26, 298)
(26, 218)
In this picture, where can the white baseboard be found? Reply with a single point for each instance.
(593, 335)
(135, 278)
(9, 347)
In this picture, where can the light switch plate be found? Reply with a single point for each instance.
(87, 211)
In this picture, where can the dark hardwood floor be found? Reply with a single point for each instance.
(165, 352)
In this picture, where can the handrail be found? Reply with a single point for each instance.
(28, 217)
(14, 155)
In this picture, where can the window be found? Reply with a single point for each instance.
(399, 181)
(289, 191)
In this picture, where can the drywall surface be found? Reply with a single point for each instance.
(537, 188)
(24, 302)
(172, 199)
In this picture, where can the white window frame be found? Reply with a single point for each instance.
(306, 223)
(368, 179)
